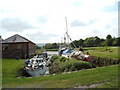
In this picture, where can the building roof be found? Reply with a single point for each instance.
(15, 39)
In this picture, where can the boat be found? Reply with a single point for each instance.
(66, 50)
(37, 65)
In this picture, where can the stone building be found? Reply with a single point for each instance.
(17, 46)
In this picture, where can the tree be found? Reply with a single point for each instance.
(38, 47)
(118, 41)
(96, 41)
(89, 42)
(55, 46)
(48, 46)
(102, 42)
(81, 41)
(76, 42)
(114, 43)
(109, 36)
(109, 40)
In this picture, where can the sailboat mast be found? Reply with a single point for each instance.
(67, 31)
(61, 40)
(68, 37)
(66, 25)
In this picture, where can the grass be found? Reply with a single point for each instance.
(106, 75)
(0, 73)
(38, 51)
(111, 52)
(52, 49)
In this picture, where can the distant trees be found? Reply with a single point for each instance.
(96, 41)
(102, 42)
(118, 41)
(48, 46)
(114, 43)
(109, 40)
(89, 42)
(55, 45)
(38, 47)
(52, 46)
(81, 41)
(76, 42)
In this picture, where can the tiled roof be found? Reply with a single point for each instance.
(16, 38)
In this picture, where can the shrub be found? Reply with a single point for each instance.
(63, 59)
(62, 64)
(73, 65)
(104, 61)
(54, 68)
(54, 58)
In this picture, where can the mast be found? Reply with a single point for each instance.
(65, 40)
(61, 41)
(67, 33)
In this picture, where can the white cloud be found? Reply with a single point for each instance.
(47, 16)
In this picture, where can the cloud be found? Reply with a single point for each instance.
(15, 24)
(41, 37)
(108, 26)
(77, 23)
(111, 8)
(42, 19)
(95, 31)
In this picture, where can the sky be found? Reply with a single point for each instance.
(43, 21)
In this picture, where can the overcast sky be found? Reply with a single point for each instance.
(43, 21)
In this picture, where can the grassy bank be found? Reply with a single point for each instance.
(106, 76)
(109, 52)
(61, 64)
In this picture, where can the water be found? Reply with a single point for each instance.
(52, 53)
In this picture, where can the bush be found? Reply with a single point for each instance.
(63, 59)
(62, 64)
(54, 58)
(73, 65)
(104, 61)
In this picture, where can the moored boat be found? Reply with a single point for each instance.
(37, 65)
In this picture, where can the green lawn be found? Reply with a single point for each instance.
(0, 73)
(111, 52)
(107, 76)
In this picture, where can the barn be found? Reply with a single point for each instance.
(17, 46)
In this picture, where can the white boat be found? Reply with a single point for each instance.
(65, 48)
(36, 66)
(66, 51)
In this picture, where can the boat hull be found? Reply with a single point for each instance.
(37, 72)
